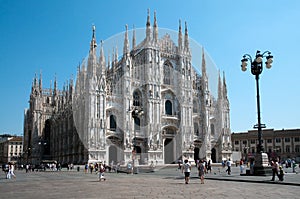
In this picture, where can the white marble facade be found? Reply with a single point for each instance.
(147, 105)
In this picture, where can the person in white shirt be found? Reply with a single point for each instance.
(186, 168)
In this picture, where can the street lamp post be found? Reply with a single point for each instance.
(256, 70)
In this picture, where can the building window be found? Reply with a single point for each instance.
(287, 139)
(297, 148)
(297, 139)
(236, 149)
(168, 107)
(277, 140)
(278, 149)
(269, 140)
(112, 123)
(287, 149)
(252, 141)
(236, 142)
(245, 142)
(136, 99)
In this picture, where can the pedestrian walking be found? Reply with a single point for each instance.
(86, 168)
(12, 170)
(101, 170)
(201, 170)
(281, 173)
(186, 168)
(228, 163)
(241, 166)
(275, 168)
(209, 166)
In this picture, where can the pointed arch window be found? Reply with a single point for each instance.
(112, 123)
(136, 99)
(168, 107)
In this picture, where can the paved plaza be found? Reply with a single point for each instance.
(165, 182)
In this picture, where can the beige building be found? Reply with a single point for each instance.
(11, 149)
(284, 143)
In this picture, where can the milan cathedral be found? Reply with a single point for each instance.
(148, 105)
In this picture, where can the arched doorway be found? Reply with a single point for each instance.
(169, 151)
(113, 154)
(213, 155)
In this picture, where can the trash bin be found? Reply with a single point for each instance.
(78, 169)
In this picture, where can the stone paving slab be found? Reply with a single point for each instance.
(164, 183)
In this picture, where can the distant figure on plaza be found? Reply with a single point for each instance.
(228, 163)
(27, 167)
(129, 168)
(209, 166)
(241, 166)
(91, 168)
(10, 173)
(186, 168)
(281, 173)
(101, 172)
(201, 170)
(86, 168)
(179, 163)
(275, 168)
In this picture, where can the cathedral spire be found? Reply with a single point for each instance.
(116, 55)
(102, 58)
(220, 94)
(92, 62)
(204, 74)
(224, 86)
(93, 42)
(186, 39)
(179, 37)
(203, 63)
(40, 82)
(126, 42)
(155, 29)
(35, 81)
(133, 39)
(108, 61)
(148, 28)
(55, 86)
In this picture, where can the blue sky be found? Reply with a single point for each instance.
(52, 37)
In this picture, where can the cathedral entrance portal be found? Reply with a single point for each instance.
(169, 151)
(213, 155)
(113, 154)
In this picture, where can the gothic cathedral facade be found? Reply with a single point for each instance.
(149, 105)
